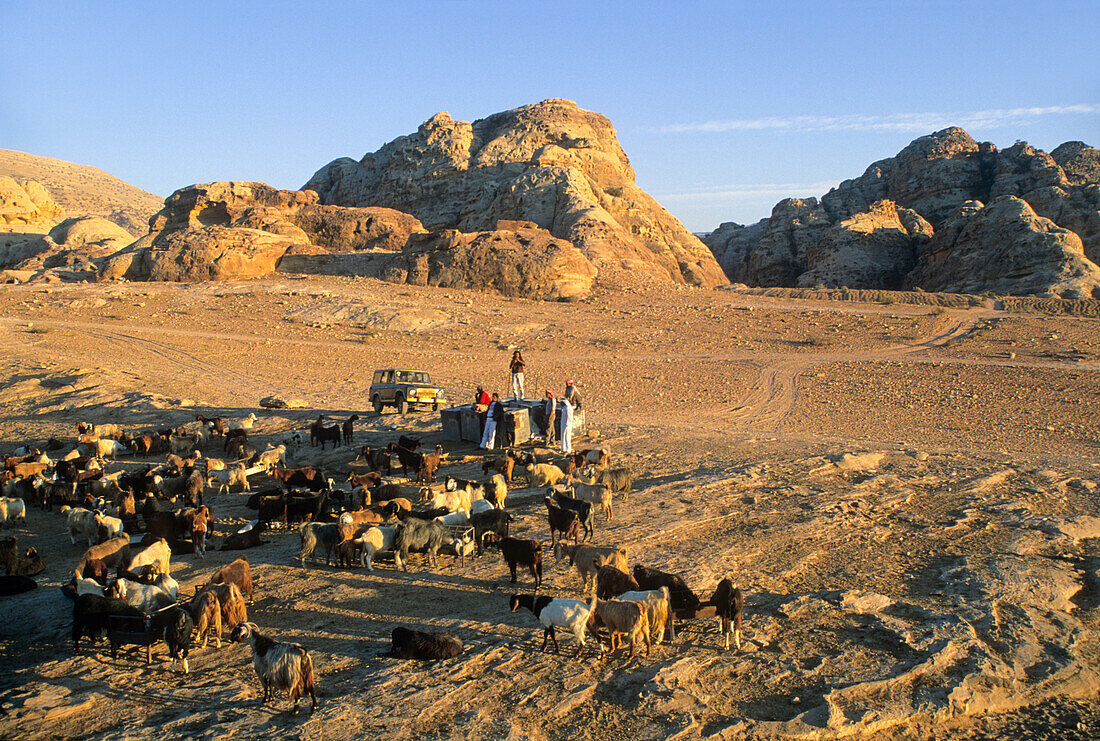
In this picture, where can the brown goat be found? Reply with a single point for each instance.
(238, 572)
(232, 604)
(207, 616)
(429, 465)
(365, 480)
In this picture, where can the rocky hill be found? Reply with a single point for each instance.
(946, 213)
(229, 230)
(84, 191)
(552, 164)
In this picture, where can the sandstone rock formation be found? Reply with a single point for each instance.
(1006, 247)
(806, 243)
(208, 253)
(26, 202)
(84, 191)
(1079, 162)
(69, 250)
(230, 230)
(524, 262)
(551, 163)
(875, 248)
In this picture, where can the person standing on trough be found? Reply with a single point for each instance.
(516, 367)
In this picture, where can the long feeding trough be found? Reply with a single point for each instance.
(461, 423)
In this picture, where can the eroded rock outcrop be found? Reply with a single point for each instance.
(223, 231)
(208, 253)
(1006, 247)
(551, 163)
(26, 202)
(524, 262)
(68, 250)
(875, 248)
(931, 178)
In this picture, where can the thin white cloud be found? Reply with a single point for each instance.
(900, 122)
(746, 192)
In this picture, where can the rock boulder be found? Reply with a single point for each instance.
(208, 253)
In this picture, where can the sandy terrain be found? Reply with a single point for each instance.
(907, 494)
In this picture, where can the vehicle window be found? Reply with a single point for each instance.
(427, 378)
(389, 377)
(418, 378)
(402, 376)
(377, 377)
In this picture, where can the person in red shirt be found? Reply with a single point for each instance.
(481, 405)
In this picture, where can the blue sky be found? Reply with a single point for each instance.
(723, 107)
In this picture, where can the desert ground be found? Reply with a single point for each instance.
(906, 493)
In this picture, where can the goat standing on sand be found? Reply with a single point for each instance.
(279, 666)
(729, 603)
(571, 614)
(349, 429)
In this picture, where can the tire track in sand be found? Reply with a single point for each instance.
(181, 359)
(773, 392)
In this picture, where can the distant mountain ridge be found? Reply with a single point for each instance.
(85, 191)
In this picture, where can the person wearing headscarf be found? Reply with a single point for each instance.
(572, 394)
(566, 426)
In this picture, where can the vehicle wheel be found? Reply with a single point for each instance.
(402, 405)
(377, 401)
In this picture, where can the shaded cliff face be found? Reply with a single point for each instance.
(552, 163)
(867, 230)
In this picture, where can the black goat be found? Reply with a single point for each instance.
(581, 507)
(416, 644)
(680, 596)
(492, 523)
(378, 459)
(729, 603)
(517, 551)
(564, 523)
(409, 458)
(331, 434)
(249, 539)
(176, 626)
(349, 429)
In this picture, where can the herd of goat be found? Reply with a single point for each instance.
(133, 521)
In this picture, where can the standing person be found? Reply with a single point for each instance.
(572, 394)
(481, 406)
(566, 426)
(546, 416)
(494, 413)
(517, 375)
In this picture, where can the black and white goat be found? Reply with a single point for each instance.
(280, 666)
